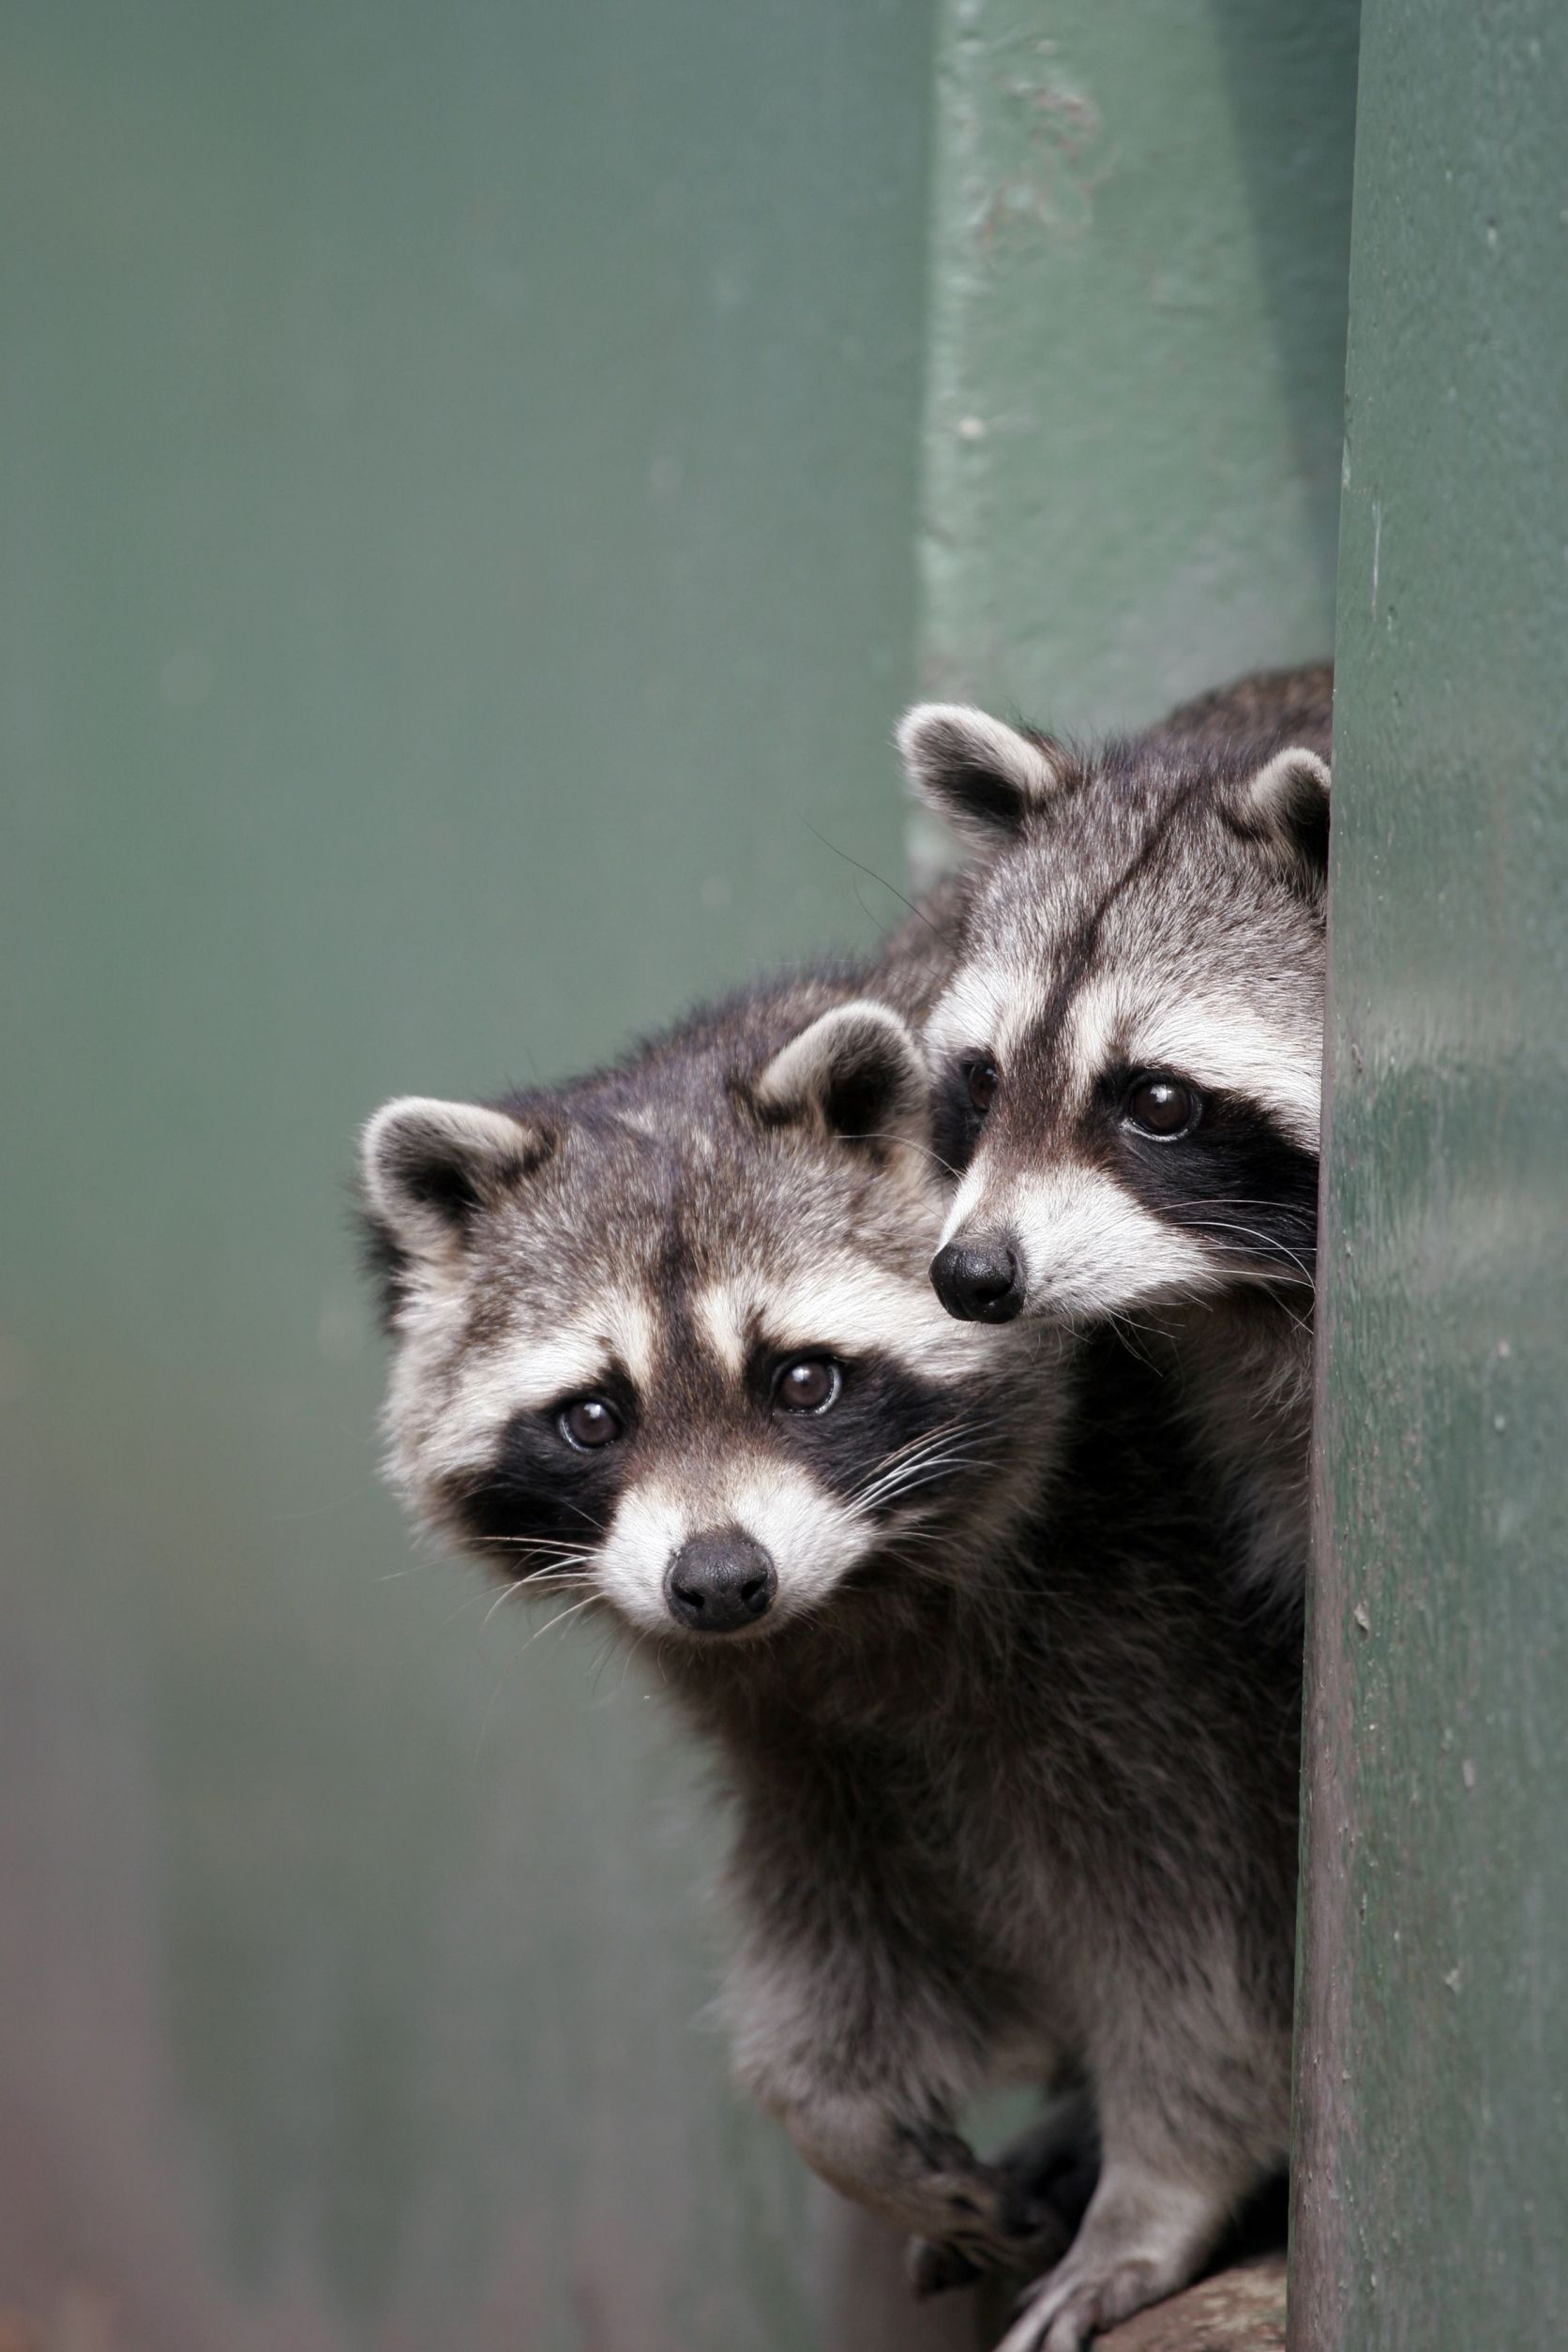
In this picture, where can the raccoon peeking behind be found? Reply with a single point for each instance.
(1014, 1777)
(1128, 1057)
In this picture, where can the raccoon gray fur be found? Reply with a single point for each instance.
(1013, 1776)
(1128, 1055)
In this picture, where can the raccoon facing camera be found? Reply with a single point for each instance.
(1012, 1771)
(1127, 1058)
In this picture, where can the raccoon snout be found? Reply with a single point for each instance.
(718, 1583)
(979, 1278)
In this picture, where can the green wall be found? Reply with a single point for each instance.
(459, 463)
(1137, 330)
(1432, 2194)
(464, 483)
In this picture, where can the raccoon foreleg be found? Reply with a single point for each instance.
(1145, 2234)
(867, 2084)
(1175, 2168)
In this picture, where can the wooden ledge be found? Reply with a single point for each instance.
(1239, 2310)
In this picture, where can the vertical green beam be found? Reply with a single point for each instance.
(1136, 342)
(1432, 2180)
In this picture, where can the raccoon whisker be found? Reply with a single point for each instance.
(552, 1622)
(871, 872)
(525, 1563)
(558, 1547)
(1219, 1200)
(933, 1443)
(533, 1586)
(923, 1474)
(948, 1448)
(1219, 1224)
(886, 929)
(508, 1593)
(880, 1136)
(577, 1606)
(469, 1600)
(886, 1479)
(545, 1570)
(869, 1509)
(587, 1517)
(956, 1432)
(1265, 1281)
(1123, 1325)
(602, 1656)
(631, 1654)
(960, 1424)
(881, 1487)
(1252, 1233)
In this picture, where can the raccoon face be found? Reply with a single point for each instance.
(673, 1341)
(1127, 1058)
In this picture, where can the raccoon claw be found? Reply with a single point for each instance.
(937, 2265)
(1067, 2308)
(1028, 2238)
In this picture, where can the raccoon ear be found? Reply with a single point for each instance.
(981, 774)
(1286, 807)
(858, 1069)
(427, 1166)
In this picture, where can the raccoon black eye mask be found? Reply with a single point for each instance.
(1219, 1168)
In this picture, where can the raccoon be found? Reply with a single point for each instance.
(1128, 1057)
(1013, 1780)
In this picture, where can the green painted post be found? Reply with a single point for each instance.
(1138, 321)
(1432, 2182)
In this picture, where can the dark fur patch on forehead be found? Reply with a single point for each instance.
(1074, 951)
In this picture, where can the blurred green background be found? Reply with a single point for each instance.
(466, 477)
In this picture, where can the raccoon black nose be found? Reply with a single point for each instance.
(717, 1583)
(979, 1281)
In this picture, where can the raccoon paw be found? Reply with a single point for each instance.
(1069, 2306)
(1145, 2234)
(1046, 2179)
(1032, 2235)
(936, 2264)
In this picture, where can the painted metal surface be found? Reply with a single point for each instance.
(1133, 425)
(1432, 2198)
(459, 469)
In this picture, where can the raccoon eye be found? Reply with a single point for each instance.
(588, 1423)
(808, 1385)
(981, 1079)
(1162, 1106)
